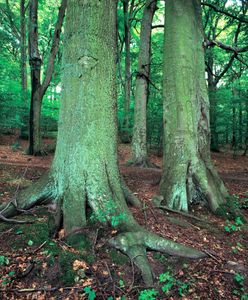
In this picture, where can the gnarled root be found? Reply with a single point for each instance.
(42, 192)
(192, 182)
(134, 244)
(129, 196)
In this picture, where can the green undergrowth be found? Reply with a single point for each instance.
(232, 209)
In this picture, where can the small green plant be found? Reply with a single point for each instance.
(7, 279)
(237, 248)
(91, 294)
(30, 243)
(4, 260)
(234, 226)
(121, 283)
(169, 282)
(239, 280)
(149, 294)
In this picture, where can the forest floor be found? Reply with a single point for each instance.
(35, 266)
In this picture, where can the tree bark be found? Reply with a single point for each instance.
(188, 174)
(35, 69)
(23, 47)
(38, 89)
(127, 83)
(139, 140)
(85, 170)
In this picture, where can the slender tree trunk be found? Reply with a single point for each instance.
(38, 89)
(234, 128)
(139, 141)
(35, 69)
(188, 174)
(214, 144)
(85, 171)
(23, 47)
(127, 83)
(240, 125)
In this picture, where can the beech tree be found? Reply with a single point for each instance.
(39, 86)
(85, 171)
(188, 173)
(139, 140)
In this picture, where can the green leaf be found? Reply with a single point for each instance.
(121, 283)
(167, 287)
(30, 243)
(4, 260)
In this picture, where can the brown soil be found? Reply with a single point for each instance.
(211, 278)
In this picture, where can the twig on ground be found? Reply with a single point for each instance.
(212, 256)
(182, 213)
(40, 247)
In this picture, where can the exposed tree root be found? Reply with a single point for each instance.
(134, 244)
(41, 192)
(192, 183)
(129, 196)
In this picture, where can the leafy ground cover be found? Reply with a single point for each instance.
(35, 266)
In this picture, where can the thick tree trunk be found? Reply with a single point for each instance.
(188, 174)
(139, 141)
(85, 171)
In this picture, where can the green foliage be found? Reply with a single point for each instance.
(91, 294)
(7, 278)
(238, 247)
(234, 226)
(239, 280)
(231, 209)
(149, 294)
(4, 260)
(121, 283)
(169, 282)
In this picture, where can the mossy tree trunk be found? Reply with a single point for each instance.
(85, 171)
(139, 140)
(188, 174)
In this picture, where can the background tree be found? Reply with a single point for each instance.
(224, 54)
(38, 89)
(188, 174)
(139, 140)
